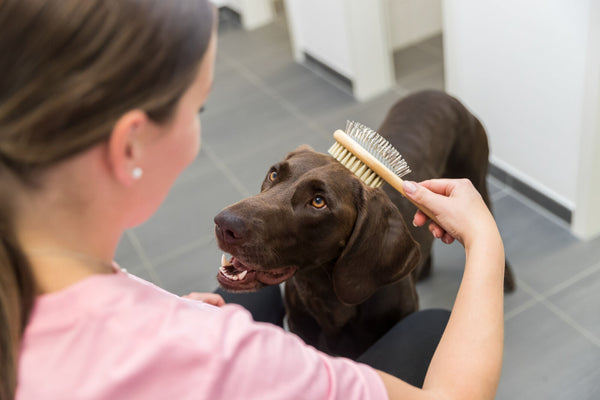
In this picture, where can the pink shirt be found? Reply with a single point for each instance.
(119, 337)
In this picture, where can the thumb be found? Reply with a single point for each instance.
(417, 193)
(423, 198)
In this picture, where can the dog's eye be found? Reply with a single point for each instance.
(273, 176)
(318, 202)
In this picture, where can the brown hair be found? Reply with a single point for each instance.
(69, 69)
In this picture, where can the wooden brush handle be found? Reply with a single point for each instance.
(378, 167)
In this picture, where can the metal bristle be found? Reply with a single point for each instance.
(378, 146)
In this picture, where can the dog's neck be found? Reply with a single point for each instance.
(315, 289)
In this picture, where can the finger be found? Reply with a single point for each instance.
(192, 296)
(214, 299)
(447, 238)
(209, 298)
(422, 197)
(439, 186)
(436, 231)
(420, 218)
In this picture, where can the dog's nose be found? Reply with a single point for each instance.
(230, 227)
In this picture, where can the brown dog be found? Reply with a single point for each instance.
(347, 255)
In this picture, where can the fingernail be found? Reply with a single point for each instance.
(409, 187)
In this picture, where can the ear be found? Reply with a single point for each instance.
(380, 250)
(124, 145)
(300, 149)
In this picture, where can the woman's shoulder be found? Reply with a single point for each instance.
(130, 339)
(114, 297)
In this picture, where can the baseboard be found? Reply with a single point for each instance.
(534, 195)
(331, 74)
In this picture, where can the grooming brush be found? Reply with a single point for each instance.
(372, 158)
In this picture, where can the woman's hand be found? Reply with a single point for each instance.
(209, 298)
(456, 204)
(468, 360)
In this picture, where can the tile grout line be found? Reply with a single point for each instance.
(518, 310)
(552, 291)
(502, 193)
(560, 314)
(239, 186)
(314, 70)
(137, 245)
(316, 128)
(538, 208)
(572, 280)
(204, 239)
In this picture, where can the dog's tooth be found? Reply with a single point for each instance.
(242, 275)
(224, 262)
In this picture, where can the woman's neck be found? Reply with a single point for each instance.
(70, 228)
(57, 268)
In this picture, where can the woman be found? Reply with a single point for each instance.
(98, 116)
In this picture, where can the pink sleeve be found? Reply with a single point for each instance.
(261, 361)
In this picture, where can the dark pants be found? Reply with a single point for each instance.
(405, 351)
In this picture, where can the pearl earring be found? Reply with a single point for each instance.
(137, 173)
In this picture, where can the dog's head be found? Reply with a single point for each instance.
(312, 212)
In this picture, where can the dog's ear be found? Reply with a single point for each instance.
(380, 249)
(304, 148)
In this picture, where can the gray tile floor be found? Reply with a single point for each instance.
(264, 105)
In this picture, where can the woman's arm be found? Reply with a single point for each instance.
(468, 360)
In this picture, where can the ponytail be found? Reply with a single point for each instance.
(73, 69)
(16, 302)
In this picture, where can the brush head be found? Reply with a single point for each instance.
(366, 153)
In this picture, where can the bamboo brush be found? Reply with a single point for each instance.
(372, 158)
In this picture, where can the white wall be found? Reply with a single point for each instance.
(521, 67)
(586, 218)
(321, 31)
(413, 20)
(356, 37)
(349, 36)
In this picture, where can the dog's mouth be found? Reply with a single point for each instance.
(237, 277)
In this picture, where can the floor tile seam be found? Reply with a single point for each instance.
(184, 248)
(591, 337)
(256, 80)
(502, 193)
(578, 277)
(190, 176)
(520, 309)
(496, 181)
(223, 168)
(146, 263)
(538, 208)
